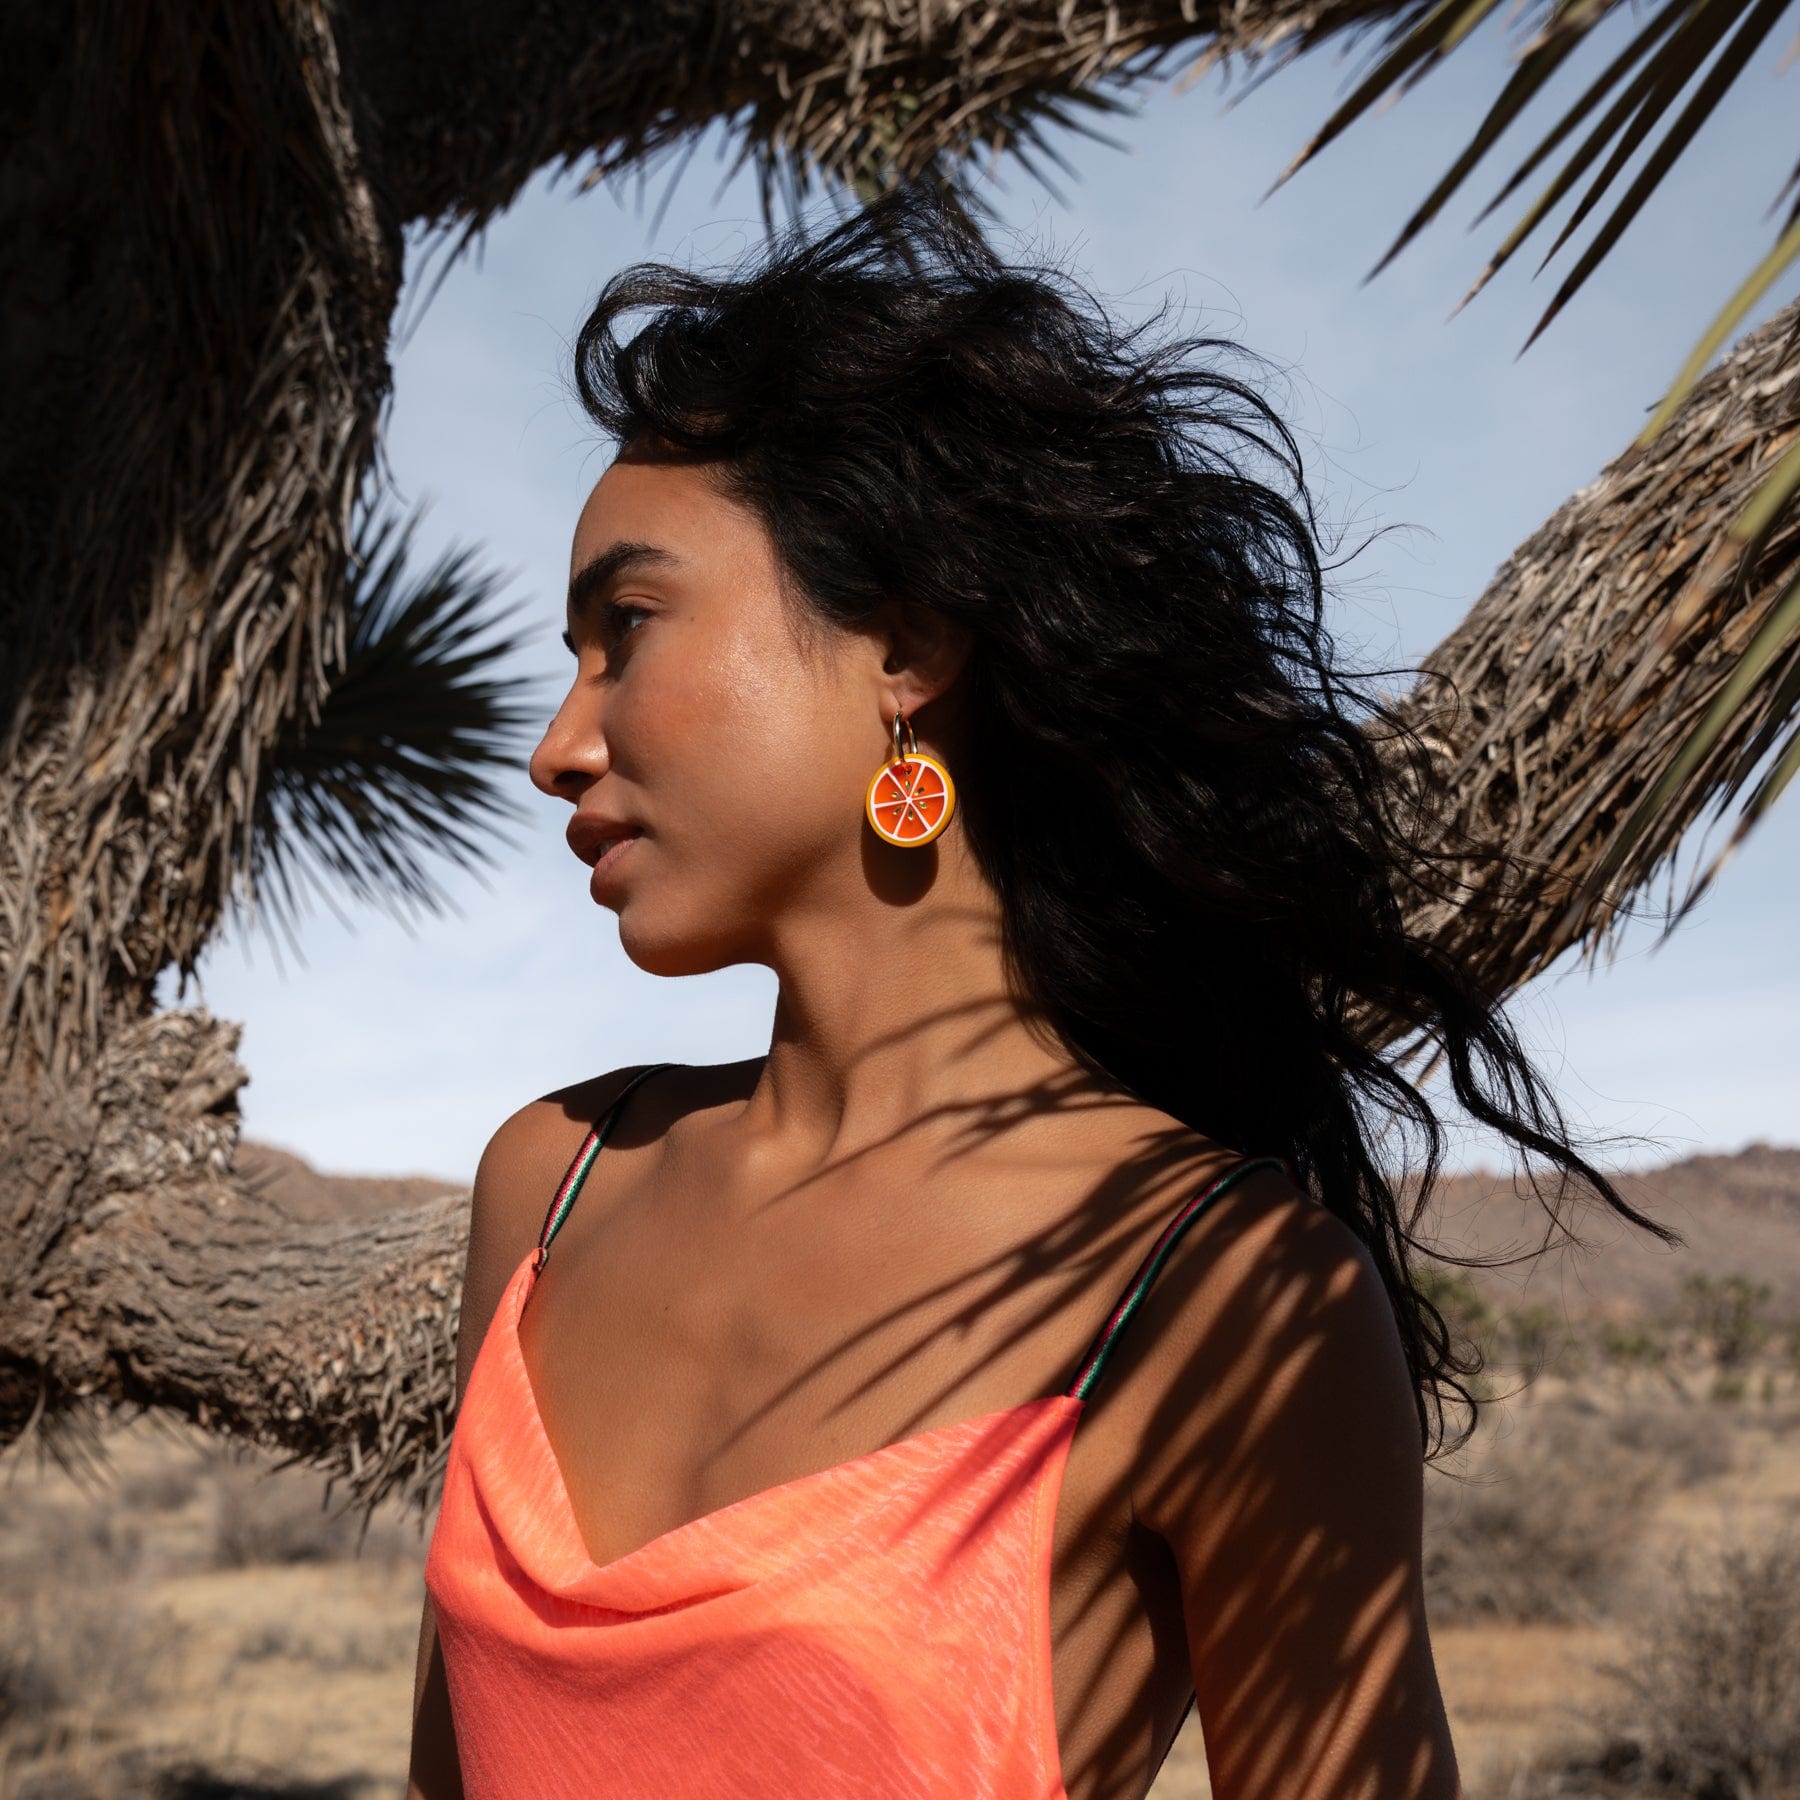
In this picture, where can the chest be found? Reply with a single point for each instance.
(678, 1374)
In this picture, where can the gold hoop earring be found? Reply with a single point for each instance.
(911, 796)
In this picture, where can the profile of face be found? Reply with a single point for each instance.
(738, 755)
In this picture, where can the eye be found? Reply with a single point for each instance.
(612, 614)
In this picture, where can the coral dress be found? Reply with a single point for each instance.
(878, 1630)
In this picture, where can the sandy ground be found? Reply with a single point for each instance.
(192, 1627)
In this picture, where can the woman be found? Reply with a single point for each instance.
(937, 647)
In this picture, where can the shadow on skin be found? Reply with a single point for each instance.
(1259, 1405)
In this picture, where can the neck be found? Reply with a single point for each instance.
(895, 1022)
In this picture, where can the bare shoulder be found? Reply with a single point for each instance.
(518, 1173)
(1284, 1470)
(1272, 1355)
(528, 1155)
(1277, 1453)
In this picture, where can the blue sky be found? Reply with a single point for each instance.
(400, 1051)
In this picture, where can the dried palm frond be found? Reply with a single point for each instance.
(1756, 706)
(1753, 710)
(399, 765)
(1603, 679)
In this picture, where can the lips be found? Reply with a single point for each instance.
(606, 869)
(590, 837)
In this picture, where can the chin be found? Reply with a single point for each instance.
(660, 948)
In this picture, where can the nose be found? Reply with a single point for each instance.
(571, 756)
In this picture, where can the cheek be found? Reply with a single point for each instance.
(771, 764)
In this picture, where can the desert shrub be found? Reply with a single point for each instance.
(1536, 1337)
(1542, 1527)
(1711, 1690)
(263, 1519)
(1726, 1313)
(191, 1782)
(264, 1516)
(30, 1682)
(1728, 1387)
(105, 1540)
(75, 1643)
(1635, 1345)
(270, 1638)
(1603, 1774)
(75, 1658)
(161, 1490)
(1692, 1442)
(1467, 1317)
(68, 1542)
(1455, 1295)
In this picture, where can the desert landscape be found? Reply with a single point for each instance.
(1613, 1566)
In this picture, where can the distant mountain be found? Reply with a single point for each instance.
(1739, 1214)
(303, 1192)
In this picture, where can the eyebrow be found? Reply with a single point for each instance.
(623, 558)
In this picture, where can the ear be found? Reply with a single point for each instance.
(923, 652)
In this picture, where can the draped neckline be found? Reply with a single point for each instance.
(956, 1436)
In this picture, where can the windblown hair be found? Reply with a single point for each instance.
(1202, 857)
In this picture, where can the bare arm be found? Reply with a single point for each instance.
(1290, 1491)
(434, 1772)
(514, 1182)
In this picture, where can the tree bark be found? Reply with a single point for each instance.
(204, 287)
(143, 1273)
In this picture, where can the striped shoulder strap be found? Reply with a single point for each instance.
(1148, 1270)
(570, 1184)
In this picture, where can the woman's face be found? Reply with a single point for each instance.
(695, 718)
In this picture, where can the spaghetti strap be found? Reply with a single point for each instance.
(1148, 1270)
(577, 1172)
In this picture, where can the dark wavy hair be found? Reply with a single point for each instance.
(1202, 859)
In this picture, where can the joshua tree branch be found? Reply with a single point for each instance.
(1596, 649)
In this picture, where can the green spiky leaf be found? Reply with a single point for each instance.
(1777, 632)
(402, 768)
(1730, 317)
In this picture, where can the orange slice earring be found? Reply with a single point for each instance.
(911, 798)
